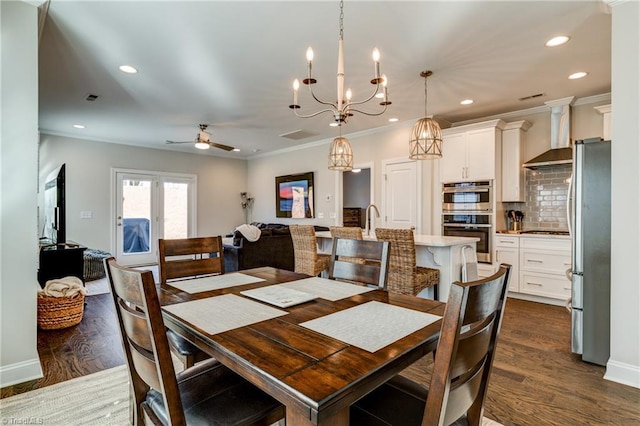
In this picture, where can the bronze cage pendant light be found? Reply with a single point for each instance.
(340, 154)
(425, 142)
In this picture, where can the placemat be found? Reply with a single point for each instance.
(372, 325)
(214, 282)
(222, 313)
(276, 295)
(327, 289)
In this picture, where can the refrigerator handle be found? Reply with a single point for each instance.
(570, 204)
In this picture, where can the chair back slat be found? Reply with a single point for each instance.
(372, 271)
(206, 257)
(466, 349)
(144, 339)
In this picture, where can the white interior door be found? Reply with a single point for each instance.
(401, 199)
(149, 207)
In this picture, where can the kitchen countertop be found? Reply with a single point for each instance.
(524, 234)
(423, 239)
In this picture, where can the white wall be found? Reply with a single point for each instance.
(18, 200)
(369, 147)
(624, 364)
(88, 185)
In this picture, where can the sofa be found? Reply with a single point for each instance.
(273, 248)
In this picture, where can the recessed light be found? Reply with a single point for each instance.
(128, 69)
(577, 75)
(466, 102)
(557, 41)
(333, 124)
(78, 126)
(393, 120)
(236, 150)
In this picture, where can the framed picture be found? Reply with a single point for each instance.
(294, 196)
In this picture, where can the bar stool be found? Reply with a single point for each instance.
(305, 251)
(405, 277)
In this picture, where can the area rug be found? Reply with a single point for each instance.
(97, 399)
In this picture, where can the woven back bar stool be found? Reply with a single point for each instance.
(405, 277)
(305, 251)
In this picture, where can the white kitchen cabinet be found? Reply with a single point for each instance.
(513, 174)
(485, 270)
(543, 266)
(469, 152)
(508, 251)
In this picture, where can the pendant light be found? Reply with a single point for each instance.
(425, 142)
(340, 154)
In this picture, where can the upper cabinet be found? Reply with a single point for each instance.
(469, 152)
(605, 110)
(513, 174)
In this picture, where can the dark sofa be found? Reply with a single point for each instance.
(273, 248)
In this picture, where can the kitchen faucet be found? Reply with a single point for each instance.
(368, 218)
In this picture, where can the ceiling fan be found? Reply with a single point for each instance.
(202, 141)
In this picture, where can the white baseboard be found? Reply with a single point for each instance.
(626, 374)
(20, 372)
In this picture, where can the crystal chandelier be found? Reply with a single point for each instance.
(426, 137)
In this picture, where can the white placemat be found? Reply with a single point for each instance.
(279, 296)
(223, 313)
(327, 289)
(372, 325)
(214, 282)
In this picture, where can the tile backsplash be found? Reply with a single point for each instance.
(546, 199)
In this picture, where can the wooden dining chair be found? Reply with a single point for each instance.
(208, 393)
(373, 272)
(307, 260)
(405, 277)
(461, 369)
(189, 258)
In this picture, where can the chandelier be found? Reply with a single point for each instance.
(425, 142)
(340, 154)
(343, 108)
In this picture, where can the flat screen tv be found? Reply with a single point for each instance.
(294, 196)
(54, 227)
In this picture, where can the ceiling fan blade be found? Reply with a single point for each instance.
(173, 142)
(221, 146)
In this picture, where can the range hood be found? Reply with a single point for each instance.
(561, 151)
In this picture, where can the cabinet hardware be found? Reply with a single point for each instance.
(536, 284)
(534, 261)
(506, 242)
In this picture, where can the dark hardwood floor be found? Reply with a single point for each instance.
(535, 381)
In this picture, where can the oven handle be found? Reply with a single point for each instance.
(445, 190)
(467, 225)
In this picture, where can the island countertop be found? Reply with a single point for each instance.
(422, 239)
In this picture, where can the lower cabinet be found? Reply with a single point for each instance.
(538, 265)
(507, 251)
(543, 267)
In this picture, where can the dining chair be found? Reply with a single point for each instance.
(405, 276)
(208, 393)
(462, 365)
(307, 260)
(374, 272)
(189, 258)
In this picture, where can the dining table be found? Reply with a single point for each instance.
(315, 345)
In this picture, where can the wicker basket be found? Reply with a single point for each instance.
(60, 312)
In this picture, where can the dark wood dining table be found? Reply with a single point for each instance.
(315, 376)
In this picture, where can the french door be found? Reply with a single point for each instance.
(149, 206)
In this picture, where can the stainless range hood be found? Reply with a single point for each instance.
(561, 151)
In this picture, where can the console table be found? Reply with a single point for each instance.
(61, 260)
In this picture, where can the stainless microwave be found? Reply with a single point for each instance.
(467, 196)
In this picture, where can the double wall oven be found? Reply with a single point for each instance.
(467, 211)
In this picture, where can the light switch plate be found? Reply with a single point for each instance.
(86, 214)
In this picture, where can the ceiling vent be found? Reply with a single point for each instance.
(91, 97)
(526, 98)
(297, 134)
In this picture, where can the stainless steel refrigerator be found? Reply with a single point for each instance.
(591, 254)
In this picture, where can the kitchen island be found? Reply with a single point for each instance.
(432, 251)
